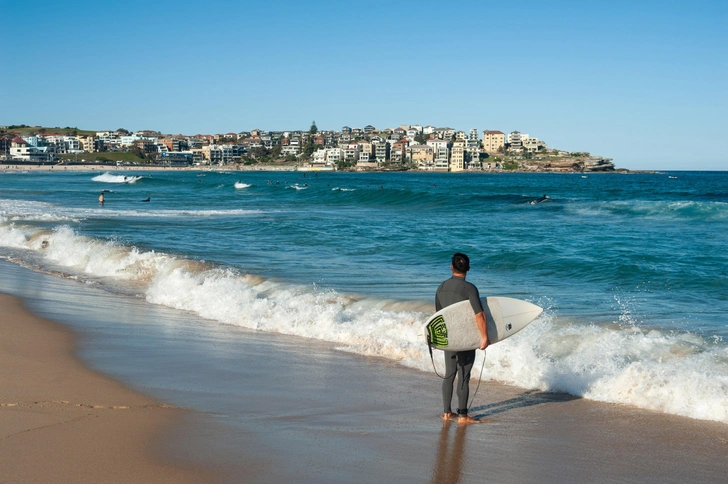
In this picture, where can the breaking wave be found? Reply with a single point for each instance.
(677, 373)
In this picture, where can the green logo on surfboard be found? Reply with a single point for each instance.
(438, 332)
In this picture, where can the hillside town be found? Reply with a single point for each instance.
(406, 147)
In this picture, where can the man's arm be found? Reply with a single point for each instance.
(483, 328)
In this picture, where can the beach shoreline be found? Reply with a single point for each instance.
(331, 417)
(63, 422)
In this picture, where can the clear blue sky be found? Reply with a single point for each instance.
(643, 82)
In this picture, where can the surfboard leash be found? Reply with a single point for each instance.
(480, 378)
(432, 359)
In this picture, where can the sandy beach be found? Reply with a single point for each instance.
(331, 417)
(62, 422)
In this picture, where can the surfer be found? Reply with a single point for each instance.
(101, 198)
(149, 199)
(460, 363)
(539, 200)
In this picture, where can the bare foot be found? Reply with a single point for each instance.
(448, 416)
(467, 419)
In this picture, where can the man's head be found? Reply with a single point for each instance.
(460, 263)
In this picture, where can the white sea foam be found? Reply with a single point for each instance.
(680, 374)
(29, 211)
(241, 185)
(109, 178)
(681, 210)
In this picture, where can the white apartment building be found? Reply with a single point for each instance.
(319, 157)
(380, 151)
(351, 152)
(71, 144)
(514, 139)
(334, 155)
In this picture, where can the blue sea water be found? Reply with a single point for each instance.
(631, 268)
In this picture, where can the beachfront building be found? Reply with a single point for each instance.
(175, 158)
(532, 144)
(441, 159)
(87, 143)
(514, 139)
(396, 155)
(381, 151)
(493, 141)
(290, 150)
(457, 156)
(440, 152)
(319, 157)
(71, 145)
(365, 162)
(367, 147)
(351, 152)
(334, 155)
(20, 149)
(422, 156)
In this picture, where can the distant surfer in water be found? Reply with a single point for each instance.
(101, 198)
(460, 363)
(539, 200)
(149, 199)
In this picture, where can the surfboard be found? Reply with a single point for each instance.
(454, 328)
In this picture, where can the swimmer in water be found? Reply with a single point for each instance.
(101, 198)
(539, 200)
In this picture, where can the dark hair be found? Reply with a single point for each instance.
(460, 262)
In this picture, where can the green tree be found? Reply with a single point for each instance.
(313, 129)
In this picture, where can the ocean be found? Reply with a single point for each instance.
(631, 269)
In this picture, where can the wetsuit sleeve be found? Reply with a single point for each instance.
(438, 304)
(474, 298)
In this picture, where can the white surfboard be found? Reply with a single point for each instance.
(454, 328)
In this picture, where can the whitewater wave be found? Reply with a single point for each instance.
(241, 185)
(669, 210)
(30, 211)
(677, 373)
(109, 178)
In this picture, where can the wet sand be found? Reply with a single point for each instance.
(273, 408)
(62, 422)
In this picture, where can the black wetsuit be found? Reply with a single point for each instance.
(452, 291)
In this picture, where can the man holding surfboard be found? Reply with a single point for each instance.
(452, 291)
